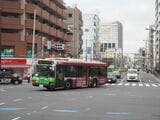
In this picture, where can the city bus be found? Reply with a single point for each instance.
(68, 73)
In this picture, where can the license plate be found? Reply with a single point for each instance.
(41, 86)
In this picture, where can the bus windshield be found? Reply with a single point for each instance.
(44, 70)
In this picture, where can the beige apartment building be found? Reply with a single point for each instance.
(74, 23)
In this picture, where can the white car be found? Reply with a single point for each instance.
(132, 75)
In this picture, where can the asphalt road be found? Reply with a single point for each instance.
(121, 101)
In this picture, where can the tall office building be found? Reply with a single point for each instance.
(16, 25)
(90, 36)
(157, 35)
(111, 39)
(150, 54)
(74, 23)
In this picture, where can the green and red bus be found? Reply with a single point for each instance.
(66, 73)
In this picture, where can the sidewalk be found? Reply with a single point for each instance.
(156, 76)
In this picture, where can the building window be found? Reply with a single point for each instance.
(109, 45)
(113, 45)
(70, 15)
(86, 30)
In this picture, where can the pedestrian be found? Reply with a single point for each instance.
(28, 77)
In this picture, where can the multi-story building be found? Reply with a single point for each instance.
(157, 35)
(111, 39)
(16, 22)
(150, 47)
(90, 36)
(74, 23)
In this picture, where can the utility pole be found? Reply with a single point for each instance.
(33, 42)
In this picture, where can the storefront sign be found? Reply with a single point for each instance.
(13, 61)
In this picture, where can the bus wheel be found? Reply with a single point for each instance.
(67, 85)
(51, 87)
(94, 83)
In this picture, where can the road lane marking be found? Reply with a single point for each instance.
(120, 84)
(2, 103)
(127, 84)
(133, 84)
(16, 100)
(154, 85)
(16, 118)
(45, 107)
(2, 90)
(147, 85)
(107, 84)
(140, 84)
(66, 111)
(90, 96)
(117, 113)
(29, 97)
(113, 84)
(10, 109)
(46, 95)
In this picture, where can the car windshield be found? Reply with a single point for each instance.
(132, 72)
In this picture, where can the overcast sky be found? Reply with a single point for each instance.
(135, 15)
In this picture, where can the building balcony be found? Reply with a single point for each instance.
(45, 28)
(31, 7)
(60, 3)
(45, 14)
(52, 31)
(29, 24)
(60, 11)
(59, 34)
(59, 22)
(53, 19)
(10, 37)
(29, 39)
(64, 25)
(64, 14)
(46, 2)
(11, 6)
(11, 23)
(53, 6)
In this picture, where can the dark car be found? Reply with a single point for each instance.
(112, 78)
(16, 80)
(6, 77)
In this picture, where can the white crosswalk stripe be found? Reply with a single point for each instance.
(120, 84)
(147, 85)
(155, 85)
(127, 84)
(133, 84)
(141, 85)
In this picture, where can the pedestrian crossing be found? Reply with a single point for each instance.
(156, 85)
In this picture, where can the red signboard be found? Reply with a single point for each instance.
(10, 61)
